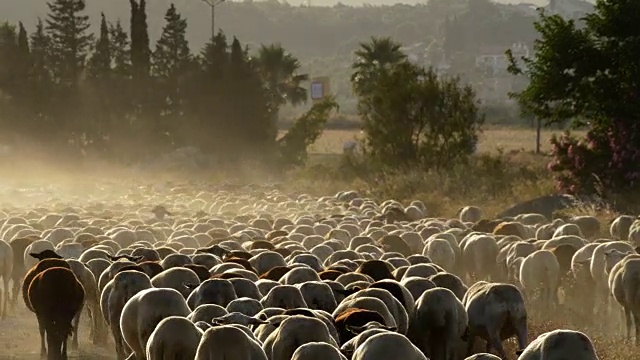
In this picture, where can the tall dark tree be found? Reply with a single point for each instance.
(70, 42)
(120, 51)
(140, 49)
(172, 55)
(100, 64)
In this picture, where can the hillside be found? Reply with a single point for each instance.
(309, 32)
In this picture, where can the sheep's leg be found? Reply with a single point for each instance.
(636, 325)
(76, 326)
(17, 281)
(41, 329)
(4, 294)
(470, 340)
(627, 315)
(54, 346)
(494, 342)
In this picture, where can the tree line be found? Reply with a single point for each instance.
(116, 94)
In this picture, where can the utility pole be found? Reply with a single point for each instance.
(213, 4)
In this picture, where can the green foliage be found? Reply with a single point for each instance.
(413, 117)
(279, 71)
(140, 49)
(172, 55)
(371, 58)
(70, 42)
(304, 132)
(589, 76)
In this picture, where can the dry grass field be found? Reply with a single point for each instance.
(491, 140)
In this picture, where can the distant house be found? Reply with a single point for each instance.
(493, 59)
(573, 9)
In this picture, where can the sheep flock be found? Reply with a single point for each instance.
(251, 272)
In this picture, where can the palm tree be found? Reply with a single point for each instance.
(279, 71)
(377, 53)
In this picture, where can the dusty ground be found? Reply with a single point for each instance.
(19, 339)
(492, 139)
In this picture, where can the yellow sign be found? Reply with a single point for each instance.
(320, 88)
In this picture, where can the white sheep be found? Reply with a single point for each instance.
(317, 351)
(480, 254)
(284, 296)
(438, 324)
(441, 253)
(293, 332)
(387, 345)
(625, 287)
(470, 214)
(496, 312)
(164, 344)
(619, 228)
(228, 342)
(541, 271)
(212, 291)
(6, 271)
(175, 278)
(560, 345)
(144, 311)
(113, 299)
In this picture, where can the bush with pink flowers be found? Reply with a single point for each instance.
(605, 161)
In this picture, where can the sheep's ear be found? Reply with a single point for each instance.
(348, 353)
(390, 328)
(465, 336)
(190, 286)
(34, 255)
(137, 258)
(263, 316)
(355, 330)
(220, 321)
(257, 321)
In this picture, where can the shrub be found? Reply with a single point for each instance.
(606, 159)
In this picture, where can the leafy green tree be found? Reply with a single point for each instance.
(305, 131)
(279, 71)
(70, 42)
(373, 56)
(588, 75)
(413, 117)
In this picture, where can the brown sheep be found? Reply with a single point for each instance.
(240, 261)
(354, 317)
(276, 273)
(564, 253)
(200, 270)
(510, 228)
(394, 243)
(262, 244)
(283, 251)
(236, 254)
(151, 268)
(377, 269)
(329, 274)
(56, 296)
(227, 276)
(486, 226)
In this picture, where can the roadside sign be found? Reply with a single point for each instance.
(319, 88)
